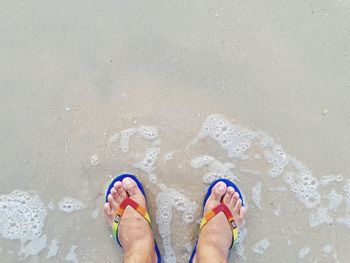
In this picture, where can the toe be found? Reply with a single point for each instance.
(238, 206)
(131, 187)
(118, 186)
(234, 198)
(108, 212)
(112, 203)
(107, 209)
(218, 191)
(227, 197)
(242, 212)
(114, 193)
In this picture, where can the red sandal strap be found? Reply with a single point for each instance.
(118, 215)
(216, 210)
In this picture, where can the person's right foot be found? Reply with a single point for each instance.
(215, 237)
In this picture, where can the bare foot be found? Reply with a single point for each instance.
(215, 237)
(134, 232)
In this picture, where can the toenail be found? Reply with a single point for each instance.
(127, 181)
(221, 187)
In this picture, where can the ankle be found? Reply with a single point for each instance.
(215, 248)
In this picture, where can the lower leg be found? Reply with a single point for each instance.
(140, 252)
(211, 254)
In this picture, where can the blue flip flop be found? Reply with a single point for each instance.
(220, 208)
(129, 202)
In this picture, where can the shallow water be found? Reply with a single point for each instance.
(74, 76)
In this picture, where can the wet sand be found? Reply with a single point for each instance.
(74, 74)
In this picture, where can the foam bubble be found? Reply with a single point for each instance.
(278, 158)
(277, 211)
(346, 189)
(344, 221)
(233, 138)
(257, 156)
(72, 256)
(215, 169)
(148, 133)
(303, 184)
(153, 178)
(149, 160)
(261, 246)
(51, 206)
(125, 137)
(69, 205)
(201, 161)
(256, 194)
(33, 247)
(339, 178)
(96, 214)
(335, 200)
(303, 252)
(320, 217)
(22, 216)
(266, 140)
(327, 249)
(53, 248)
(94, 159)
(327, 179)
(168, 156)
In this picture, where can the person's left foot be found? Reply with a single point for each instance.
(134, 231)
(216, 235)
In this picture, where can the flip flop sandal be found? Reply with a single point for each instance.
(129, 202)
(219, 208)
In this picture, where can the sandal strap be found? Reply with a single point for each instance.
(119, 213)
(216, 210)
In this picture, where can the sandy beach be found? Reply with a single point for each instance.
(80, 80)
